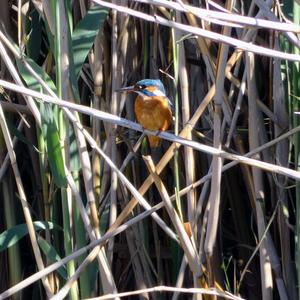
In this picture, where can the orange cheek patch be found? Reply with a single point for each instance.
(151, 88)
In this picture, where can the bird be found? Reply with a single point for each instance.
(153, 109)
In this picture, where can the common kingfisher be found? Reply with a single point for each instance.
(152, 107)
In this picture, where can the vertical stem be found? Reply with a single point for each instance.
(214, 198)
(265, 266)
(176, 251)
(188, 152)
(62, 83)
(295, 90)
(114, 110)
(176, 125)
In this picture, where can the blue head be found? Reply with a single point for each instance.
(147, 88)
(150, 88)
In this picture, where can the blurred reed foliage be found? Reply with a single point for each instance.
(69, 179)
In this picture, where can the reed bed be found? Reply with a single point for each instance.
(89, 211)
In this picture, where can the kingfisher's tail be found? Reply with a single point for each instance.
(154, 141)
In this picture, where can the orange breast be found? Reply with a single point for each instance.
(153, 113)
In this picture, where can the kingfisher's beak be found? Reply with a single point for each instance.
(127, 89)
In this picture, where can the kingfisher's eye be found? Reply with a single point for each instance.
(140, 86)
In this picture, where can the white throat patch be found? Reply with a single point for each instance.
(159, 93)
(154, 93)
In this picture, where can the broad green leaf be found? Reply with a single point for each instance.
(55, 155)
(31, 82)
(12, 235)
(49, 126)
(54, 149)
(84, 35)
(52, 256)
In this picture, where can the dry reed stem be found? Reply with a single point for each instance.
(237, 110)
(16, 108)
(212, 292)
(215, 192)
(204, 33)
(265, 266)
(97, 75)
(185, 242)
(282, 157)
(188, 152)
(111, 140)
(212, 16)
